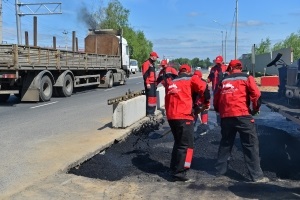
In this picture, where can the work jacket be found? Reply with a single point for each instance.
(178, 99)
(216, 75)
(148, 71)
(205, 98)
(234, 95)
(166, 75)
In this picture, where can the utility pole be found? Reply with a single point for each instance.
(33, 11)
(236, 26)
(1, 24)
(66, 38)
(225, 45)
(222, 45)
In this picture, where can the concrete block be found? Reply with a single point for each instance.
(160, 94)
(128, 112)
(133, 110)
(117, 117)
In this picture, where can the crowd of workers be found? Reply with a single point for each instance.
(236, 98)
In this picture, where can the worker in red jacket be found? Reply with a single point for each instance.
(180, 115)
(232, 100)
(199, 101)
(166, 74)
(216, 73)
(148, 71)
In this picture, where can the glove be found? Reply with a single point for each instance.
(254, 112)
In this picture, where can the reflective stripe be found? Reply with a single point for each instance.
(188, 158)
(151, 100)
(182, 78)
(235, 78)
(187, 165)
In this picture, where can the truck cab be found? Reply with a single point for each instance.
(134, 67)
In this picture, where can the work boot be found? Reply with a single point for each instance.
(262, 180)
(182, 177)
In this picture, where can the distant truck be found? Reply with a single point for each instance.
(36, 74)
(134, 67)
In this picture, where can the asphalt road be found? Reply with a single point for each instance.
(130, 169)
(27, 127)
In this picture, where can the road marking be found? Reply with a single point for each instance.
(44, 104)
(135, 77)
(138, 83)
(109, 89)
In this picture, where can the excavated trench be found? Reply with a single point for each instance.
(145, 155)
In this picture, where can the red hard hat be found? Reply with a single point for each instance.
(153, 53)
(198, 73)
(235, 64)
(219, 59)
(164, 63)
(185, 68)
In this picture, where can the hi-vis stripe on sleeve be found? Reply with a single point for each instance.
(182, 78)
(188, 158)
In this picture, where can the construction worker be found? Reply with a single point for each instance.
(216, 73)
(166, 74)
(232, 100)
(148, 71)
(180, 116)
(199, 101)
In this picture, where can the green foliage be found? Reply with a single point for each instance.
(293, 40)
(263, 47)
(195, 62)
(115, 16)
(139, 45)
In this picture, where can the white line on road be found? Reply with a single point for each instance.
(135, 77)
(44, 104)
(138, 83)
(109, 89)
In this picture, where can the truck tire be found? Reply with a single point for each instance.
(110, 81)
(46, 88)
(67, 89)
(123, 82)
(4, 97)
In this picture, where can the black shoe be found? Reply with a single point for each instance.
(182, 177)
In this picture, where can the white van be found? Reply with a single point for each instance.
(134, 67)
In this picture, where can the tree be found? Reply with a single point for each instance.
(115, 16)
(263, 47)
(292, 41)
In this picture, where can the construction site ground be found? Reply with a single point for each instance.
(136, 165)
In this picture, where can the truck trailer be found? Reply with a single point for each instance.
(36, 73)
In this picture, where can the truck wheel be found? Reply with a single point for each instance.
(110, 81)
(46, 89)
(4, 97)
(125, 79)
(67, 89)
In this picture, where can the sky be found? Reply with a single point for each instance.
(177, 28)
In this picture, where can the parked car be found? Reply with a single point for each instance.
(134, 67)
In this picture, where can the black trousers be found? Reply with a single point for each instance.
(150, 99)
(249, 141)
(183, 147)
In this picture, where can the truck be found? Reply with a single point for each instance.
(134, 66)
(36, 74)
(289, 78)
